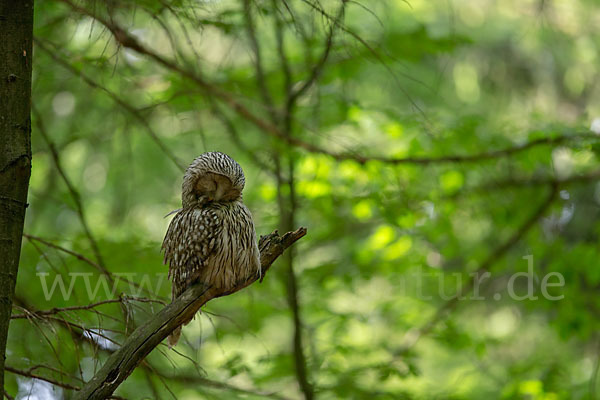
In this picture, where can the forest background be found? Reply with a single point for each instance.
(433, 150)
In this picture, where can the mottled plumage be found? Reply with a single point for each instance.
(211, 238)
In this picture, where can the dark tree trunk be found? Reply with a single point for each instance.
(16, 36)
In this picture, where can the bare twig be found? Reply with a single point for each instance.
(287, 212)
(65, 250)
(82, 258)
(32, 375)
(280, 39)
(52, 311)
(448, 159)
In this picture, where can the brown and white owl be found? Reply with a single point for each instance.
(211, 239)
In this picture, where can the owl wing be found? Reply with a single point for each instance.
(189, 242)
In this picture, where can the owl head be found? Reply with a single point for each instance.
(212, 177)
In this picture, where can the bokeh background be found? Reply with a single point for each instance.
(418, 141)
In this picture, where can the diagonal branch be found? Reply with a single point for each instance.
(412, 337)
(83, 258)
(148, 336)
(78, 256)
(32, 375)
(72, 191)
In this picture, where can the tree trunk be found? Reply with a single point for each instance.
(16, 37)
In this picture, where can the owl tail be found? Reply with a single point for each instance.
(174, 337)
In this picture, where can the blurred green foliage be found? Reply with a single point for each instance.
(387, 244)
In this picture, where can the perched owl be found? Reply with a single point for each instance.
(211, 238)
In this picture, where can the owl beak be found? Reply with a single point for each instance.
(219, 192)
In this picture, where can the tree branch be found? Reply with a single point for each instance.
(129, 41)
(88, 339)
(148, 336)
(119, 101)
(412, 337)
(78, 256)
(72, 191)
(83, 258)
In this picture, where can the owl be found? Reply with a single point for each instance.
(211, 239)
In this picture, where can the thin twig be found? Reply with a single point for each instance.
(447, 159)
(371, 50)
(287, 213)
(237, 140)
(280, 39)
(84, 259)
(194, 380)
(79, 256)
(122, 103)
(57, 310)
(49, 380)
(41, 378)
